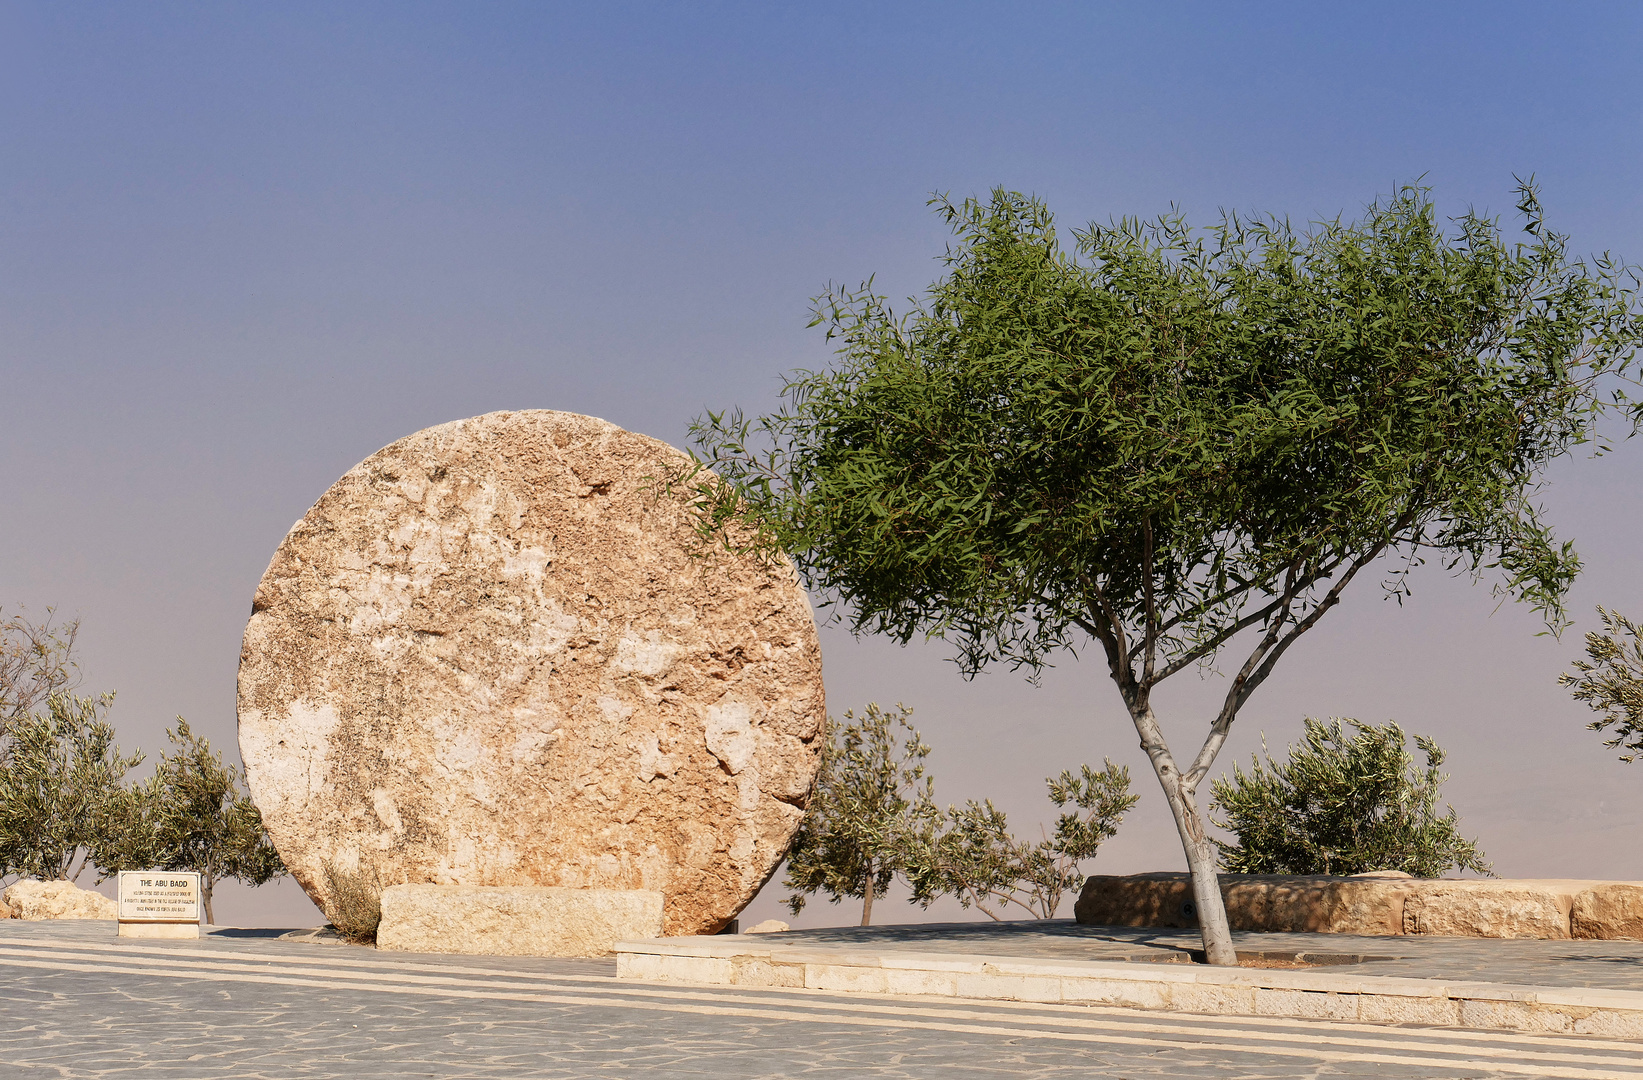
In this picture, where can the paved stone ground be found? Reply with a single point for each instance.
(1616, 965)
(80, 1003)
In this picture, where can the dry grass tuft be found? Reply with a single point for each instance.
(353, 902)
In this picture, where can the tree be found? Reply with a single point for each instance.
(60, 788)
(1172, 444)
(978, 860)
(1343, 805)
(36, 662)
(1611, 682)
(190, 815)
(871, 811)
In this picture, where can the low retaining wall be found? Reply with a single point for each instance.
(1377, 905)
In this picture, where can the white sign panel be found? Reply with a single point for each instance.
(159, 896)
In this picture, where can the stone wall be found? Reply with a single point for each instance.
(1377, 905)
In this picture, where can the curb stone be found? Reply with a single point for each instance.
(1174, 987)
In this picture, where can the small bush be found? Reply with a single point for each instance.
(1611, 682)
(1342, 804)
(870, 812)
(978, 860)
(353, 903)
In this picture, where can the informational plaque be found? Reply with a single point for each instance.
(159, 903)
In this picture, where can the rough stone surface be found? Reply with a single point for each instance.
(1611, 910)
(56, 900)
(515, 921)
(494, 653)
(1352, 905)
(769, 926)
(1493, 909)
(1161, 899)
(1327, 905)
(1384, 903)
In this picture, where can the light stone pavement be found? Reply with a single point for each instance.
(1613, 965)
(79, 1002)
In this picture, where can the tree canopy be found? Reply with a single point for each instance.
(1162, 439)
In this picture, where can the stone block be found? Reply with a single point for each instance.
(1136, 900)
(1512, 1016)
(649, 967)
(1611, 1022)
(754, 971)
(57, 900)
(1366, 905)
(1490, 909)
(1315, 904)
(1607, 911)
(1377, 904)
(664, 967)
(863, 980)
(515, 920)
(990, 985)
(1102, 991)
(1392, 1009)
(920, 983)
(171, 930)
(1209, 997)
(1309, 1004)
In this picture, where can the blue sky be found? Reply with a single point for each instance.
(244, 246)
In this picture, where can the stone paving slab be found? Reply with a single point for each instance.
(80, 1004)
(1612, 965)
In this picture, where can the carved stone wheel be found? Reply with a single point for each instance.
(495, 653)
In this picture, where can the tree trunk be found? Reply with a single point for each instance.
(205, 895)
(1206, 888)
(867, 897)
(1189, 823)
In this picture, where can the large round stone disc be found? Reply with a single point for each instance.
(494, 653)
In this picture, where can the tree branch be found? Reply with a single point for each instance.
(1151, 629)
(1108, 628)
(1209, 645)
(1330, 599)
(1264, 656)
(1175, 620)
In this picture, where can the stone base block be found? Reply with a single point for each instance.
(160, 929)
(515, 920)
